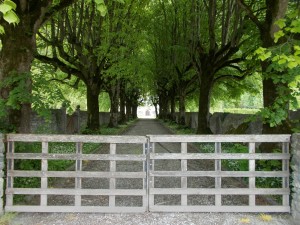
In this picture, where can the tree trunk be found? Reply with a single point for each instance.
(134, 111)
(156, 111)
(173, 105)
(122, 103)
(163, 107)
(114, 105)
(181, 120)
(92, 96)
(17, 53)
(276, 9)
(128, 109)
(206, 84)
(270, 94)
(16, 56)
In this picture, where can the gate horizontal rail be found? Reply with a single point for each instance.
(190, 199)
(156, 170)
(79, 193)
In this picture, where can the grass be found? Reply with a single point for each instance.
(6, 218)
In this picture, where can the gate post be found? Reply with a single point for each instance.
(295, 164)
(2, 149)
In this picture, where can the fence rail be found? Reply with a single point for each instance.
(188, 194)
(78, 191)
(170, 169)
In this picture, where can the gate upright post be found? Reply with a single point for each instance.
(296, 176)
(146, 168)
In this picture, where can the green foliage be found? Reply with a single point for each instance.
(43, 97)
(230, 94)
(235, 165)
(283, 70)
(6, 218)
(101, 6)
(17, 83)
(177, 128)
(31, 182)
(46, 95)
(269, 165)
(7, 8)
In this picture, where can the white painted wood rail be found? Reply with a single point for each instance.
(218, 174)
(150, 158)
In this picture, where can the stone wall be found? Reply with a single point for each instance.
(2, 150)
(62, 123)
(295, 165)
(222, 123)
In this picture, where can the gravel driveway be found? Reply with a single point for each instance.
(143, 127)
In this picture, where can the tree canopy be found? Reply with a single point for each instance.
(176, 52)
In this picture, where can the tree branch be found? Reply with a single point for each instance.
(250, 13)
(230, 76)
(54, 9)
(62, 81)
(62, 66)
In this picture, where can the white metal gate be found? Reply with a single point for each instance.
(156, 173)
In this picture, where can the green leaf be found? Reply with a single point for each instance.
(11, 4)
(5, 8)
(11, 17)
(99, 2)
(102, 9)
(297, 59)
(2, 31)
(295, 30)
(278, 35)
(295, 26)
(280, 23)
(260, 50)
(281, 61)
(292, 64)
(120, 1)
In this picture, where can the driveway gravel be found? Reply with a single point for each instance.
(143, 127)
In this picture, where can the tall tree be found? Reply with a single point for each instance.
(264, 17)
(79, 49)
(215, 42)
(87, 45)
(17, 54)
(174, 68)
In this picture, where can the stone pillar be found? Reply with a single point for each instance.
(2, 149)
(62, 119)
(295, 164)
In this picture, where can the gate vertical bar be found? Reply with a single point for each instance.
(151, 178)
(252, 185)
(218, 168)
(44, 178)
(146, 151)
(78, 180)
(184, 169)
(285, 168)
(112, 181)
(10, 168)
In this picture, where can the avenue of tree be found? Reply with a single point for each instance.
(172, 50)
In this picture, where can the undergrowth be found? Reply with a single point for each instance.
(236, 165)
(55, 148)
